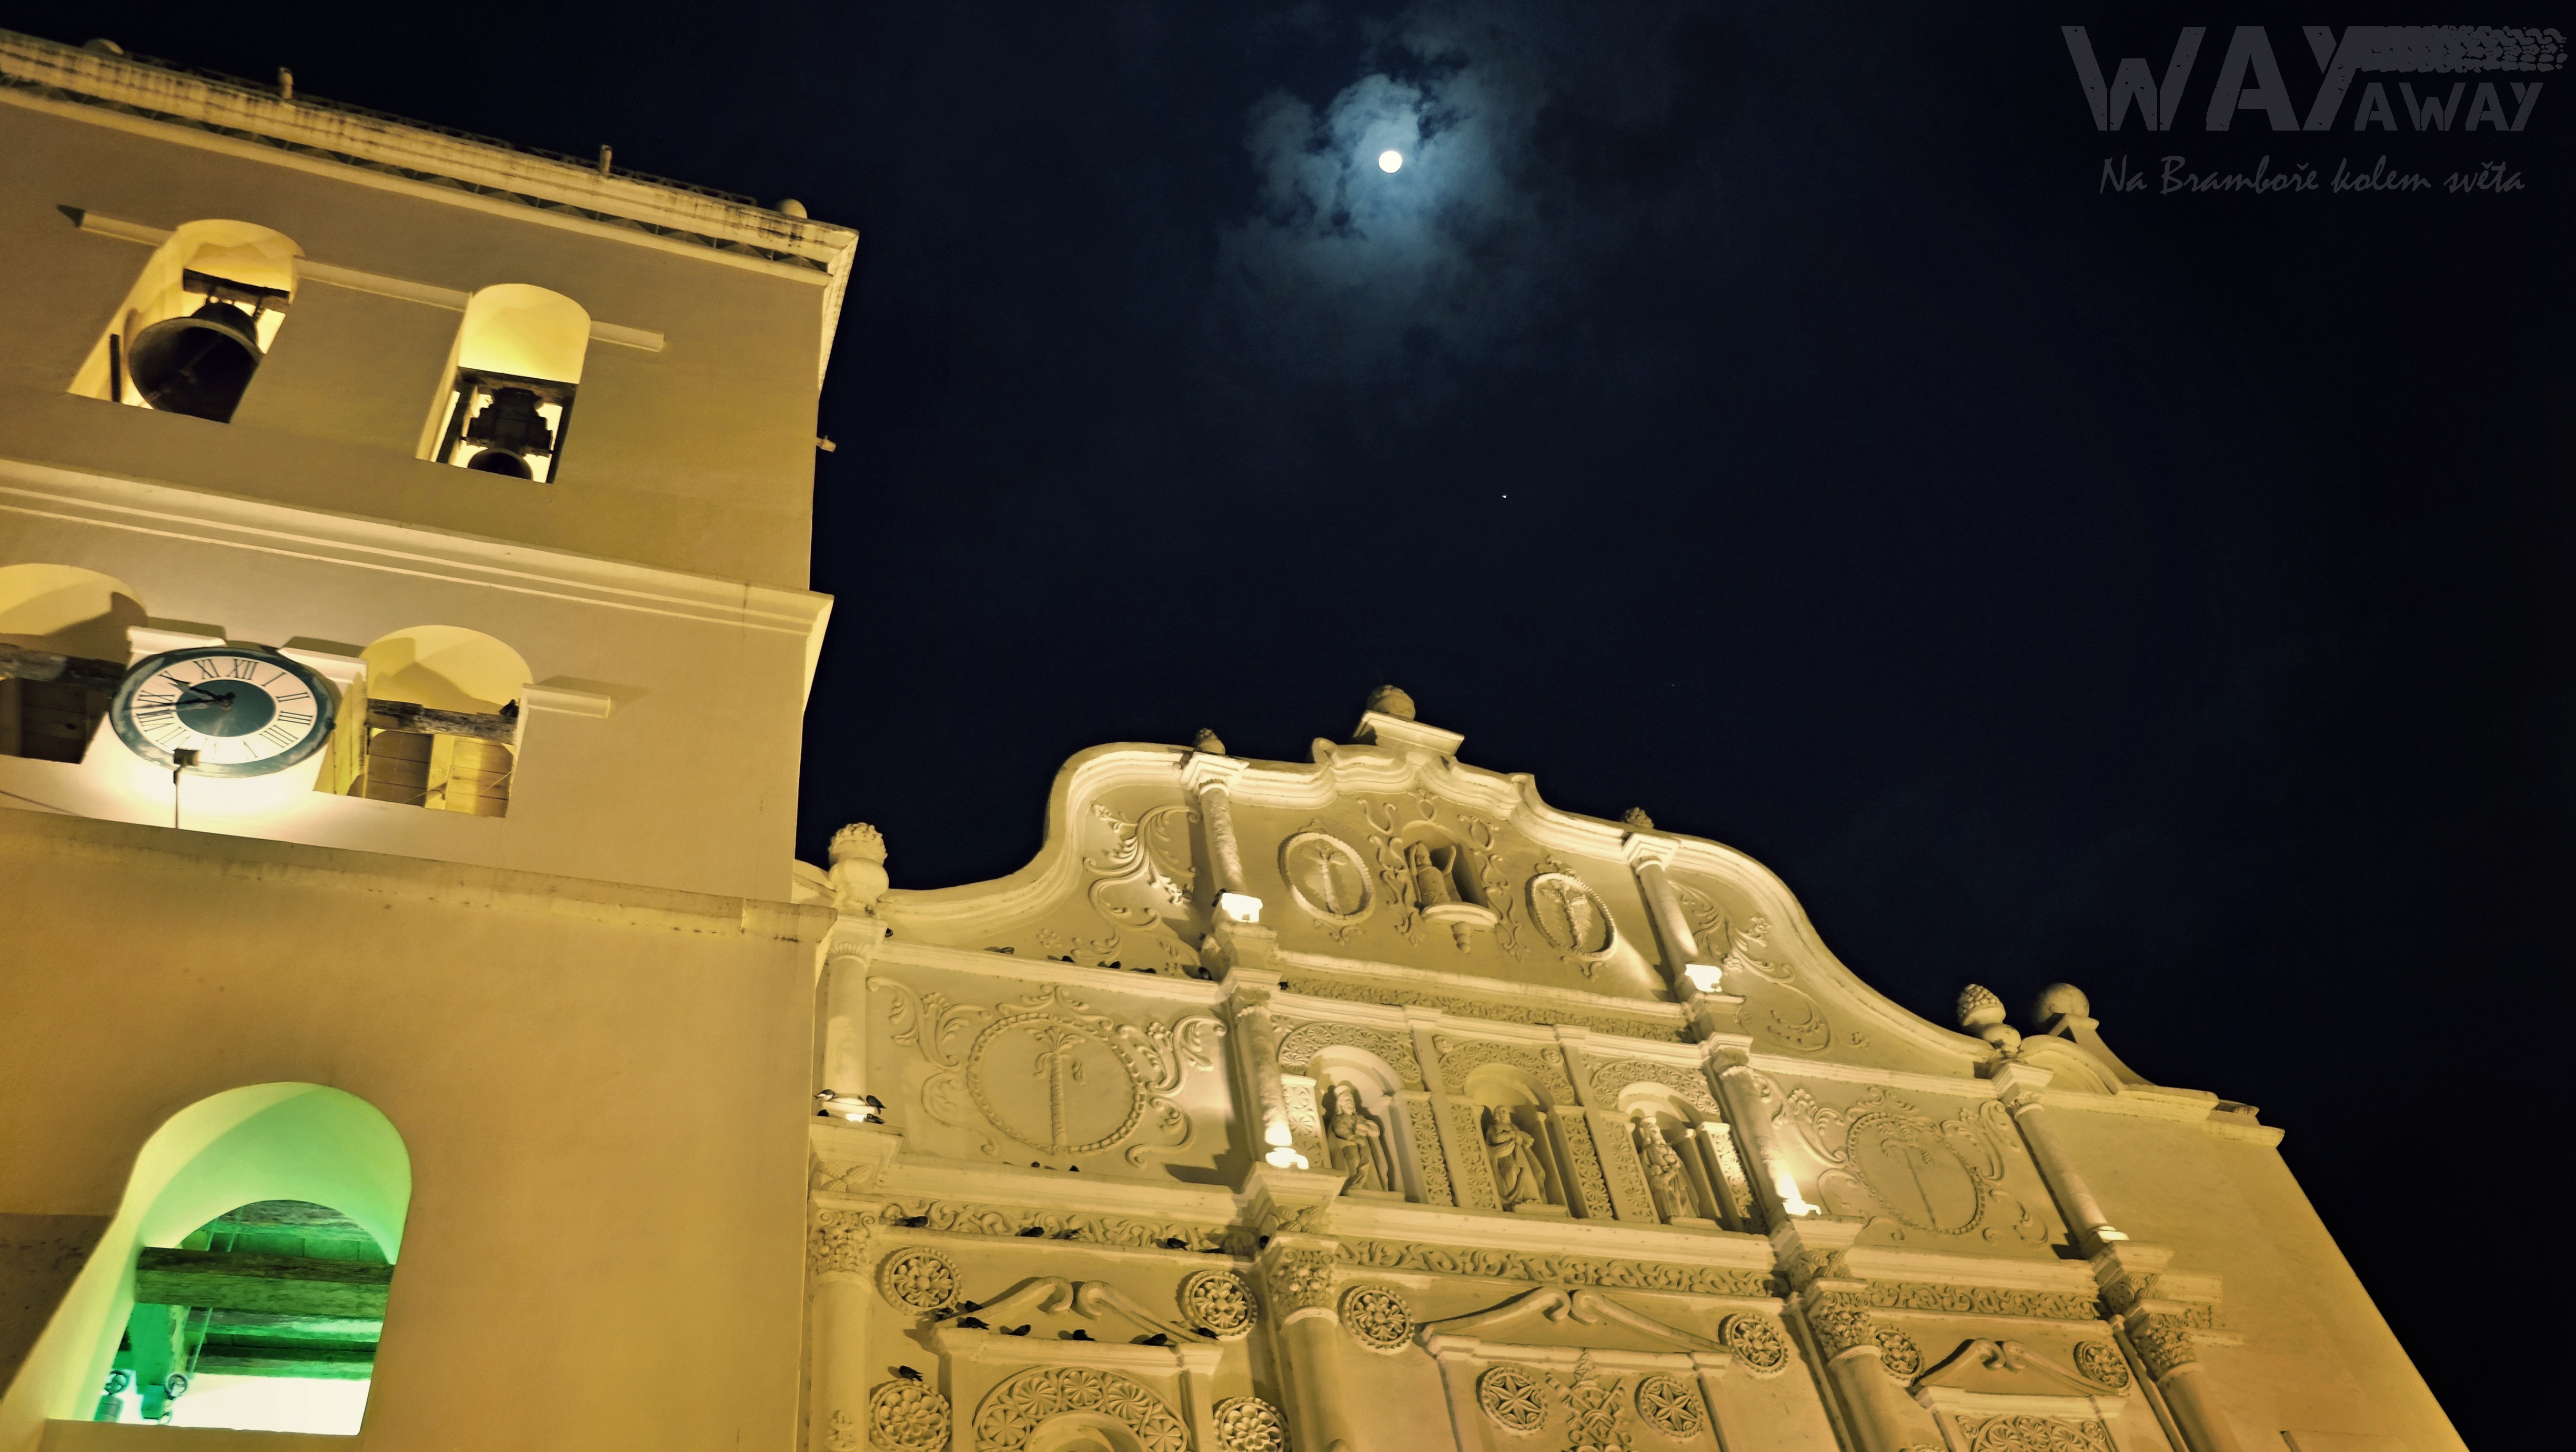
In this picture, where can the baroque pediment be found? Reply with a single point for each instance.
(1387, 866)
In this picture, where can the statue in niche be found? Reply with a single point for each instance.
(1664, 1169)
(1434, 877)
(1516, 1176)
(1355, 1143)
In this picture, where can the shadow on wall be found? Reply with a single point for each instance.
(246, 1149)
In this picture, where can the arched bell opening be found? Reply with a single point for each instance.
(434, 723)
(197, 324)
(510, 392)
(63, 649)
(252, 1254)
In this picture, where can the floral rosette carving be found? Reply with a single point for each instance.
(1302, 1280)
(1514, 1399)
(1378, 1317)
(1249, 1424)
(906, 1416)
(2101, 1362)
(1755, 1343)
(1219, 1302)
(1671, 1406)
(1898, 1353)
(918, 1278)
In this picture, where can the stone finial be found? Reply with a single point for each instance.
(1982, 1014)
(2059, 1001)
(858, 841)
(1636, 817)
(858, 867)
(1208, 741)
(1391, 701)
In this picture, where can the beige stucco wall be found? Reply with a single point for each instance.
(601, 1091)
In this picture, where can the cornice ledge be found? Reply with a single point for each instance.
(1440, 1225)
(134, 846)
(152, 507)
(1882, 1263)
(1008, 1187)
(896, 952)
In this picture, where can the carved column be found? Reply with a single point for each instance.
(838, 1260)
(1587, 1186)
(1835, 1306)
(1254, 1041)
(2159, 1331)
(1297, 1284)
(1647, 856)
(1417, 1124)
(1210, 779)
(1739, 1089)
(2018, 1087)
(858, 881)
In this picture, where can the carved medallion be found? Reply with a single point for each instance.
(1249, 1424)
(1027, 1401)
(1670, 1405)
(1047, 1071)
(918, 1278)
(1219, 1302)
(1571, 916)
(1378, 1317)
(906, 1416)
(1515, 1400)
(1327, 876)
(2100, 1361)
(1898, 1353)
(1890, 1160)
(1754, 1343)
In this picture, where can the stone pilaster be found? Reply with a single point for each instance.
(1835, 1305)
(2018, 1088)
(1251, 980)
(840, 1256)
(1299, 1271)
(2158, 1328)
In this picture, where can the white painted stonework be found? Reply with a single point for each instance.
(1372, 1103)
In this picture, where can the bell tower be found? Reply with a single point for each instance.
(404, 639)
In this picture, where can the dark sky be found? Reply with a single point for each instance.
(1764, 418)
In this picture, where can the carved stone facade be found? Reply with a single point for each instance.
(1427, 1146)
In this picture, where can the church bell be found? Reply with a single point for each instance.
(508, 430)
(197, 365)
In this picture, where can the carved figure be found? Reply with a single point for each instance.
(1516, 1177)
(1433, 881)
(1355, 1144)
(1664, 1169)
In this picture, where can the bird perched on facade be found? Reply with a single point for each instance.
(907, 1373)
(1076, 1334)
(971, 1323)
(1033, 1232)
(1016, 1331)
(913, 1222)
(1157, 1339)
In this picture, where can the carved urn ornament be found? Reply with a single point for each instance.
(858, 866)
(1391, 701)
(1982, 1014)
(1208, 743)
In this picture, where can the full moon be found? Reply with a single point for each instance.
(1390, 160)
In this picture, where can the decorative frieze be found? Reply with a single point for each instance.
(1980, 1301)
(1657, 1028)
(1543, 1268)
(1297, 1046)
(2033, 1434)
(1027, 1401)
(965, 1218)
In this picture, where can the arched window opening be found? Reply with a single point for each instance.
(244, 1279)
(265, 1317)
(63, 649)
(510, 394)
(437, 725)
(197, 323)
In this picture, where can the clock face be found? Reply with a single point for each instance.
(244, 710)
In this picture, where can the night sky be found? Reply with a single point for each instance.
(1768, 420)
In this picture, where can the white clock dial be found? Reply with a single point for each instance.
(244, 710)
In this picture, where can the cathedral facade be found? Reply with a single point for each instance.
(416, 1033)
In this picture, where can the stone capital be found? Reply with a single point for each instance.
(1203, 771)
(1649, 849)
(2019, 1085)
